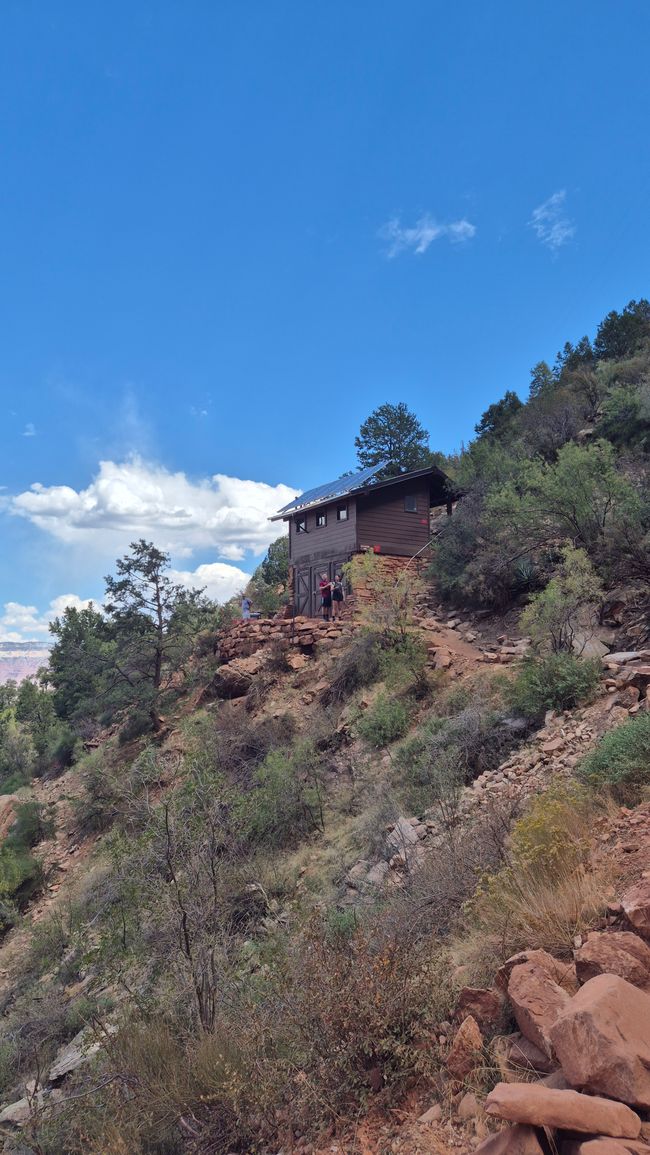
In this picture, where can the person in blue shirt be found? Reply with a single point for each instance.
(246, 604)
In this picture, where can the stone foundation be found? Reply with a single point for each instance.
(244, 638)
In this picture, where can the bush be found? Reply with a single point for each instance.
(362, 1009)
(621, 762)
(30, 826)
(358, 666)
(545, 894)
(449, 752)
(17, 758)
(383, 722)
(559, 681)
(137, 725)
(20, 875)
(564, 608)
(286, 802)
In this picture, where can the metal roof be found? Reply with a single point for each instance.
(332, 489)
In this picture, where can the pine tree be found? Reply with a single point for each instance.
(392, 433)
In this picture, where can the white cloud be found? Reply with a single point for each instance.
(132, 499)
(22, 623)
(29, 430)
(418, 238)
(553, 227)
(219, 580)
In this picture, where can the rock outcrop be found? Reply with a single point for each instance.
(537, 1002)
(602, 1040)
(569, 1110)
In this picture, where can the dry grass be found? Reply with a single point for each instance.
(531, 912)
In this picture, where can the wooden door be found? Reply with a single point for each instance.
(303, 592)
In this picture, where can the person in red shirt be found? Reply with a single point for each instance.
(325, 589)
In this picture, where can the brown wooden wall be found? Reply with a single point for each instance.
(382, 520)
(334, 540)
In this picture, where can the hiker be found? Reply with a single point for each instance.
(325, 590)
(246, 604)
(338, 597)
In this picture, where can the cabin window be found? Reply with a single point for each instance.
(321, 520)
(411, 503)
(301, 525)
(341, 513)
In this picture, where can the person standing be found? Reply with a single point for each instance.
(246, 604)
(325, 589)
(338, 597)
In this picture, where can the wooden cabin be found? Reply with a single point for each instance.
(331, 523)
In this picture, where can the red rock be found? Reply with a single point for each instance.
(517, 1140)
(537, 1002)
(485, 1005)
(522, 1053)
(636, 907)
(563, 973)
(602, 1040)
(542, 1107)
(605, 1145)
(466, 1049)
(433, 1115)
(615, 952)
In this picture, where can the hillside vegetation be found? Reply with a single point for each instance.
(248, 918)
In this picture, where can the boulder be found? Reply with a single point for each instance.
(605, 1145)
(228, 682)
(636, 907)
(402, 835)
(433, 1115)
(602, 1040)
(537, 1001)
(517, 1140)
(468, 1108)
(466, 1050)
(20, 1112)
(485, 1005)
(614, 952)
(524, 1054)
(542, 1107)
(563, 973)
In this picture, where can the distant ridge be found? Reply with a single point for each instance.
(19, 660)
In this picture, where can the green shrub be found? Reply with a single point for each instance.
(31, 825)
(20, 875)
(449, 752)
(564, 607)
(559, 681)
(384, 721)
(285, 803)
(621, 762)
(137, 724)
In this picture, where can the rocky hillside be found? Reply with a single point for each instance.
(432, 940)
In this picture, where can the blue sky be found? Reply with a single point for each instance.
(229, 229)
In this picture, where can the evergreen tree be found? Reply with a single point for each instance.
(620, 334)
(274, 570)
(498, 419)
(152, 621)
(392, 433)
(542, 380)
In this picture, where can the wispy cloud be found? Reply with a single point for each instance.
(551, 222)
(419, 237)
(29, 430)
